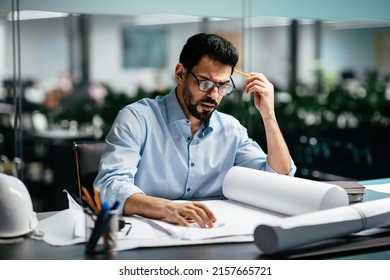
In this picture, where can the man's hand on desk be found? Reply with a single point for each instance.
(183, 214)
(187, 213)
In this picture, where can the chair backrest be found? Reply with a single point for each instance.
(87, 155)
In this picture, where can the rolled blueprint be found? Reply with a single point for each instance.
(283, 234)
(281, 193)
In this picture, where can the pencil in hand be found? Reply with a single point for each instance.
(241, 73)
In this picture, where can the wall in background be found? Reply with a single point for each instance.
(45, 51)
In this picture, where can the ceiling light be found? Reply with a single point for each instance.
(29, 15)
(159, 19)
(255, 22)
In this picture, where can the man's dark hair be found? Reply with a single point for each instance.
(211, 45)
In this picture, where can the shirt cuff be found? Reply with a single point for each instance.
(121, 193)
(293, 169)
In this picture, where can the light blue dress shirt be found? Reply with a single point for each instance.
(150, 150)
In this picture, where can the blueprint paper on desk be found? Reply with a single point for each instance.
(256, 197)
(253, 197)
(59, 229)
(63, 228)
(67, 227)
(383, 188)
(276, 236)
(281, 193)
(233, 219)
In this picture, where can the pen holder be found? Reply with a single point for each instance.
(101, 232)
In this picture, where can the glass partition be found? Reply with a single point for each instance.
(72, 71)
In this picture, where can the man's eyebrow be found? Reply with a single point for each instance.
(201, 77)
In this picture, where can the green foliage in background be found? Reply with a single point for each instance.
(345, 104)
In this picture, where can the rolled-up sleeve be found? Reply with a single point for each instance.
(292, 170)
(118, 164)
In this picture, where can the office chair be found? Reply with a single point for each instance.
(87, 155)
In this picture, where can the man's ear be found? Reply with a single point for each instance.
(180, 72)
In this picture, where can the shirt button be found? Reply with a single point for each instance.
(192, 163)
(188, 189)
(188, 139)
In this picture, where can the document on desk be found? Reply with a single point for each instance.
(383, 188)
(280, 235)
(255, 197)
(67, 227)
(233, 219)
(60, 228)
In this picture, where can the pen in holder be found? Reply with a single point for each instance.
(101, 231)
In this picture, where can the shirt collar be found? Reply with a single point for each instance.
(174, 110)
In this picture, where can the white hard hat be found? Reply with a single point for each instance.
(17, 217)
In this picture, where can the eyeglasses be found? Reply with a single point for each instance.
(223, 89)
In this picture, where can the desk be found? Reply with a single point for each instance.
(29, 249)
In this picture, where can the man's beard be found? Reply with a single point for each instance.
(192, 107)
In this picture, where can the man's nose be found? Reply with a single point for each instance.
(213, 93)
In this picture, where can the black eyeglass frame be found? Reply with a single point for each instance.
(214, 85)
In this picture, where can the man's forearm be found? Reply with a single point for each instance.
(183, 213)
(278, 153)
(147, 206)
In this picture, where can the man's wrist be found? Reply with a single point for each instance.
(268, 116)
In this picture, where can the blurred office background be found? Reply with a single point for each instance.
(65, 75)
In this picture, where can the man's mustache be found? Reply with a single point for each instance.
(209, 100)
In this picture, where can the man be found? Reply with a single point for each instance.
(179, 147)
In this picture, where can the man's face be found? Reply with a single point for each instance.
(202, 104)
(199, 105)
